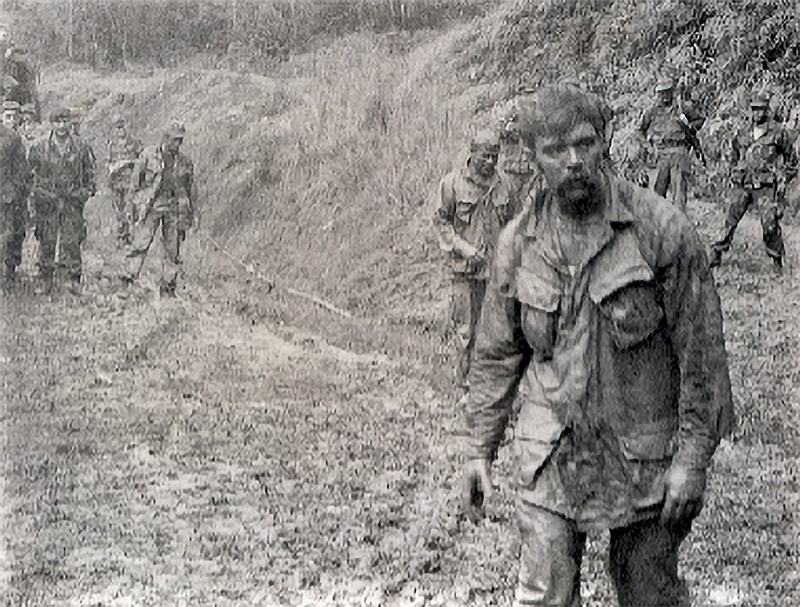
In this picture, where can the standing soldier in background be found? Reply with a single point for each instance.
(11, 117)
(162, 188)
(29, 129)
(15, 183)
(18, 71)
(64, 179)
(474, 204)
(516, 164)
(764, 160)
(123, 150)
(671, 134)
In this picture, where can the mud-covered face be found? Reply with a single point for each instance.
(484, 160)
(665, 97)
(760, 114)
(61, 126)
(9, 119)
(572, 167)
(172, 144)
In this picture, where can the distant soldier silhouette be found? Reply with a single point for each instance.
(64, 179)
(123, 150)
(15, 184)
(19, 79)
(162, 187)
(764, 160)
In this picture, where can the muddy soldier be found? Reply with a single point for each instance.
(123, 150)
(764, 160)
(671, 133)
(473, 205)
(602, 302)
(162, 187)
(14, 188)
(64, 179)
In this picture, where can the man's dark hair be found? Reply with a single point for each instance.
(556, 109)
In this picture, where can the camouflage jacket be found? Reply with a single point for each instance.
(471, 212)
(15, 173)
(69, 175)
(122, 155)
(621, 358)
(672, 126)
(152, 192)
(763, 156)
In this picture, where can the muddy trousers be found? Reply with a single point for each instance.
(60, 222)
(765, 200)
(12, 235)
(673, 170)
(143, 234)
(123, 213)
(465, 310)
(642, 562)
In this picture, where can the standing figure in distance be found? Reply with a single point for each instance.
(15, 184)
(162, 185)
(64, 179)
(764, 160)
(671, 134)
(123, 150)
(516, 162)
(602, 302)
(474, 204)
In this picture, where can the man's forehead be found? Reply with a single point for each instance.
(579, 131)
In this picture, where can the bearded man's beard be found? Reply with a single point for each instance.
(579, 196)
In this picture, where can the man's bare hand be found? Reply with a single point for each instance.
(477, 486)
(683, 494)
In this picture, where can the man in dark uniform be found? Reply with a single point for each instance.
(15, 184)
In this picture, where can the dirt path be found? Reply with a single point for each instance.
(193, 453)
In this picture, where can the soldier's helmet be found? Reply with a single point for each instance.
(11, 106)
(62, 113)
(760, 100)
(28, 109)
(665, 84)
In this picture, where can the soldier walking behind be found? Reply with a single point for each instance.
(14, 188)
(64, 179)
(162, 187)
(671, 133)
(473, 205)
(764, 160)
(602, 302)
(123, 150)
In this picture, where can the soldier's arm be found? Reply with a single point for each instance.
(139, 168)
(449, 240)
(500, 356)
(694, 322)
(89, 170)
(22, 170)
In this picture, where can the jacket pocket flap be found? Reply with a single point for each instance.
(619, 264)
(538, 283)
(655, 443)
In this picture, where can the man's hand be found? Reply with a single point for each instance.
(476, 487)
(683, 494)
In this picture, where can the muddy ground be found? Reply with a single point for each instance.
(235, 447)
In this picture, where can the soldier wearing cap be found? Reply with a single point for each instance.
(19, 72)
(764, 160)
(11, 114)
(601, 303)
(162, 188)
(671, 132)
(15, 184)
(28, 128)
(474, 203)
(64, 179)
(123, 150)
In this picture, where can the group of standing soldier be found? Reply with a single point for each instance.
(48, 180)
(597, 296)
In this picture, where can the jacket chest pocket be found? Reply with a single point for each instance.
(631, 313)
(539, 315)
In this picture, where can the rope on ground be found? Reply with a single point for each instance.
(248, 267)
